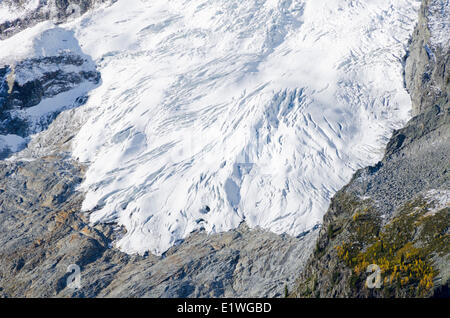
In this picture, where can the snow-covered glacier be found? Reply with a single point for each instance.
(215, 112)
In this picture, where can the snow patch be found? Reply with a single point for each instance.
(12, 143)
(43, 40)
(440, 198)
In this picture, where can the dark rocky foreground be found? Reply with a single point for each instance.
(42, 232)
(395, 214)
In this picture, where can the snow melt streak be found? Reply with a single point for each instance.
(214, 112)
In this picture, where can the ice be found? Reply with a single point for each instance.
(43, 40)
(259, 110)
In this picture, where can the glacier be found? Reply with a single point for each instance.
(216, 112)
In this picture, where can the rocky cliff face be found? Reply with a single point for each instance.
(29, 82)
(395, 215)
(426, 69)
(56, 10)
(36, 88)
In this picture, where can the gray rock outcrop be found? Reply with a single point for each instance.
(32, 90)
(50, 76)
(426, 69)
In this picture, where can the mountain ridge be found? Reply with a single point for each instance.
(44, 228)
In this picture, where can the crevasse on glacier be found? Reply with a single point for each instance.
(214, 112)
